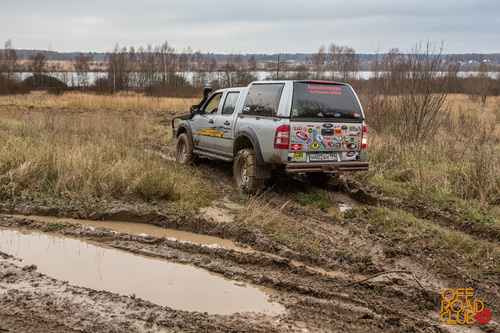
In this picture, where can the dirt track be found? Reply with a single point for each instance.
(314, 301)
(317, 285)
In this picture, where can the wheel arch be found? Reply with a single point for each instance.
(185, 128)
(246, 137)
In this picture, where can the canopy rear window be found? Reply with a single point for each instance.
(322, 101)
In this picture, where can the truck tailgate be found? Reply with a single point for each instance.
(325, 141)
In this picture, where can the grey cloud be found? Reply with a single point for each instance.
(261, 26)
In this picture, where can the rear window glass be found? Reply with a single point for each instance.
(263, 99)
(316, 100)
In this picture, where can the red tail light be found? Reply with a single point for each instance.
(281, 139)
(365, 137)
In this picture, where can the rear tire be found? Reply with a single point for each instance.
(184, 150)
(245, 170)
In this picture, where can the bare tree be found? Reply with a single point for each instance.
(118, 69)
(10, 60)
(422, 81)
(376, 66)
(319, 63)
(301, 72)
(343, 62)
(167, 62)
(82, 68)
(36, 66)
(235, 72)
(200, 78)
(252, 63)
(479, 85)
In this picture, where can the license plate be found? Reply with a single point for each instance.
(322, 157)
(298, 155)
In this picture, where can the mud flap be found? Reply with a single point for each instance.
(262, 172)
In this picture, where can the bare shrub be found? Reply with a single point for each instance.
(421, 80)
(479, 86)
(379, 111)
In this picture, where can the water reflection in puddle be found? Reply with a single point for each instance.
(99, 267)
(182, 236)
(146, 230)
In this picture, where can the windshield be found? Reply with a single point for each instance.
(319, 100)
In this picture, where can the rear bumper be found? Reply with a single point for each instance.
(329, 167)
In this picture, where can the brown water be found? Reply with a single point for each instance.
(146, 230)
(182, 236)
(95, 266)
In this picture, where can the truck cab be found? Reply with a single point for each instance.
(312, 127)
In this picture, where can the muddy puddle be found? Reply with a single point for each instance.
(92, 265)
(142, 229)
(182, 236)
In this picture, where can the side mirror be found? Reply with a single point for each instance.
(194, 109)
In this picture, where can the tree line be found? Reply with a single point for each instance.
(160, 70)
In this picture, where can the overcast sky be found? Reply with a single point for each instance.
(251, 26)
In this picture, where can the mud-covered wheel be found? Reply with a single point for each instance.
(184, 150)
(321, 179)
(245, 169)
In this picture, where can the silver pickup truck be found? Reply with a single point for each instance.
(312, 127)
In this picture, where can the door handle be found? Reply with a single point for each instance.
(211, 121)
(227, 123)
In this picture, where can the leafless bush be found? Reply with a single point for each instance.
(82, 68)
(419, 81)
(379, 111)
(479, 87)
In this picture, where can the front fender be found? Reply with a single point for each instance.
(184, 127)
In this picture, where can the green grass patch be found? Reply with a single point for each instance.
(445, 242)
(54, 226)
(315, 200)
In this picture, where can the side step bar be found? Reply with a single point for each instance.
(212, 155)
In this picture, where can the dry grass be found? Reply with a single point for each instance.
(459, 167)
(120, 101)
(444, 241)
(260, 211)
(50, 151)
(264, 212)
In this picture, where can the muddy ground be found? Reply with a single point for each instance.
(321, 288)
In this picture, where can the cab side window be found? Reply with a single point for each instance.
(230, 103)
(212, 105)
(263, 99)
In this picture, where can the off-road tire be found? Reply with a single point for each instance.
(245, 169)
(184, 150)
(321, 179)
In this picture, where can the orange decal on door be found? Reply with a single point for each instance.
(211, 132)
